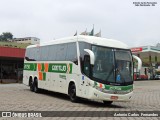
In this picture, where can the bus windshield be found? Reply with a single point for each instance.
(112, 65)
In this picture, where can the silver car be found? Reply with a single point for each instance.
(157, 77)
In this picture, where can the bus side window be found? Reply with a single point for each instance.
(52, 50)
(86, 65)
(71, 54)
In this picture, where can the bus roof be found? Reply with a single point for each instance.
(89, 39)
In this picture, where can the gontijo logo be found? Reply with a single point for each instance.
(60, 68)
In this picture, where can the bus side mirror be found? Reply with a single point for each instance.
(139, 61)
(91, 54)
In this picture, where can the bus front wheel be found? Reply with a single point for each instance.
(72, 93)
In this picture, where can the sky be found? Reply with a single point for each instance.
(53, 19)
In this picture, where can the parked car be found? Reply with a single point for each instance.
(157, 77)
(137, 76)
(144, 77)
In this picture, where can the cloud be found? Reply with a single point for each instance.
(49, 19)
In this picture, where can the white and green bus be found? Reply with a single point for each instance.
(82, 67)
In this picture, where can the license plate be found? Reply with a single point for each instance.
(114, 97)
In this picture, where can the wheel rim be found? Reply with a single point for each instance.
(31, 86)
(73, 92)
(35, 88)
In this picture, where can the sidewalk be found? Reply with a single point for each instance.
(6, 81)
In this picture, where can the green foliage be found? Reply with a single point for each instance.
(6, 36)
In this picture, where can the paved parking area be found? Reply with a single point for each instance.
(18, 97)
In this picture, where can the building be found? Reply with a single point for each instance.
(11, 63)
(150, 56)
(30, 40)
(12, 54)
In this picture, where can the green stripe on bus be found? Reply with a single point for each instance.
(53, 67)
(30, 66)
(42, 64)
(44, 76)
(70, 68)
(119, 88)
(95, 84)
(109, 87)
(57, 68)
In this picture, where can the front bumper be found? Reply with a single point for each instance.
(98, 95)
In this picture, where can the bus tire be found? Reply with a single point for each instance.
(72, 93)
(107, 102)
(31, 84)
(35, 86)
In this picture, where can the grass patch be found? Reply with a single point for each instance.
(14, 44)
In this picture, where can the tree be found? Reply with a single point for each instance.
(5, 36)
